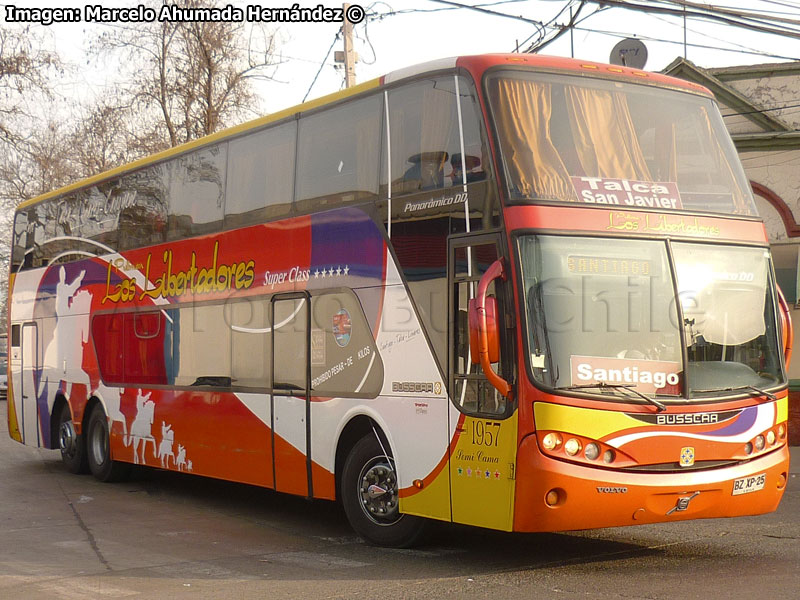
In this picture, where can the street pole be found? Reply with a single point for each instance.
(349, 53)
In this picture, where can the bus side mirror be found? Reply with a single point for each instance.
(484, 339)
(787, 330)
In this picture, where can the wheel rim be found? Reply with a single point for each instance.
(377, 489)
(66, 439)
(98, 444)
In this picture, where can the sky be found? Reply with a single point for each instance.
(402, 33)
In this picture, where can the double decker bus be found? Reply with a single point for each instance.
(511, 291)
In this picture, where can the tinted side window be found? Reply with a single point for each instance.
(426, 145)
(261, 176)
(142, 201)
(251, 342)
(338, 154)
(196, 192)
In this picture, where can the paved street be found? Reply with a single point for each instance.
(165, 535)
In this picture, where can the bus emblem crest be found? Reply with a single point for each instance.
(687, 456)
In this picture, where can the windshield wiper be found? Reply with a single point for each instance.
(749, 388)
(628, 387)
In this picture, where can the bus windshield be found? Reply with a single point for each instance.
(608, 143)
(605, 312)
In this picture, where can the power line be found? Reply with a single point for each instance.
(322, 65)
(761, 111)
(710, 16)
(621, 35)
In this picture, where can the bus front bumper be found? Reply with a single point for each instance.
(552, 495)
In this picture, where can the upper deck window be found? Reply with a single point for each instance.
(608, 143)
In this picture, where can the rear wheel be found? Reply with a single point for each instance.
(72, 445)
(370, 497)
(98, 450)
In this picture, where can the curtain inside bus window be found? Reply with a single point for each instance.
(523, 110)
(604, 135)
(579, 139)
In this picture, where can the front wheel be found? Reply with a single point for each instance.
(370, 498)
(98, 450)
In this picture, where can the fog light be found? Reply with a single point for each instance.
(771, 437)
(552, 498)
(551, 441)
(592, 451)
(759, 442)
(748, 448)
(782, 430)
(608, 456)
(572, 447)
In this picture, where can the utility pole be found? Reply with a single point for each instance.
(349, 55)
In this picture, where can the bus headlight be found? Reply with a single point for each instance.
(572, 447)
(770, 437)
(551, 441)
(759, 442)
(592, 451)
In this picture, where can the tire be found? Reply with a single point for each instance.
(376, 518)
(72, 445)
(98, 451)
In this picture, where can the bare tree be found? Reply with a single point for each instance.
(189, 79)
(24, 70)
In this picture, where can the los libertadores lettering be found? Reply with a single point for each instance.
(195, 280)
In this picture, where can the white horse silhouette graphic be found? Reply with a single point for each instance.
(180, 461)
(63, 356)
(141, 429)
(165, 447)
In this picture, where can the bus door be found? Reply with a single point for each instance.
(483, 457)
(291, 393)
(28, 368)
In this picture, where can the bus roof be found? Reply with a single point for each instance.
(476, 65)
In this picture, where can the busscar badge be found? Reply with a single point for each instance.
(687, 456)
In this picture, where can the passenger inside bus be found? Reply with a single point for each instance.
(426, 172)
(473, 166)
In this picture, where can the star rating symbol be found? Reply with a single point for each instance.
(488, 475)
(497, 474)
(460, 471)
(330, 271)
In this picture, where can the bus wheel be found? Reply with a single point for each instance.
(98, 451)
(370, 499)
(72, 445)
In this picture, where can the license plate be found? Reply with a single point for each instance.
(745, 485)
